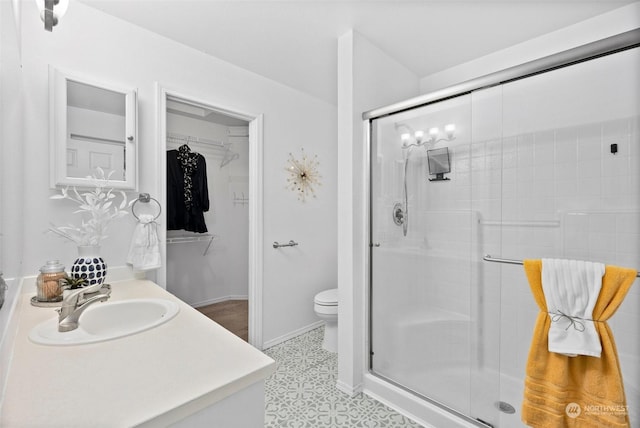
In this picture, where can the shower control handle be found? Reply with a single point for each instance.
(399, 214)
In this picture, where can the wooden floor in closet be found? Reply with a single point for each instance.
(232, 315)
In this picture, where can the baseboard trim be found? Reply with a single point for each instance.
(273, 342)
(348, 389)
(218, 300)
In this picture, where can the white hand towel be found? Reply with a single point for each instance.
(571, 289)
(144, 252)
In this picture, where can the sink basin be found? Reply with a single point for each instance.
(107, 321)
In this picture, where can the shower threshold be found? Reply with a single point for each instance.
(455, 413)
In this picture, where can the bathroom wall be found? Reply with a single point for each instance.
(92, 43)
(11, 148)
(367, 78)
(222, 273)
(10, 175)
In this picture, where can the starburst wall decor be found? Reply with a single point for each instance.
(303, 175)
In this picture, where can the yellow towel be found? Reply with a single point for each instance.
(582, 391)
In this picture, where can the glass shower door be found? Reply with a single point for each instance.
(428, 317)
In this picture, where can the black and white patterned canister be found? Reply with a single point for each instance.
(89, 265)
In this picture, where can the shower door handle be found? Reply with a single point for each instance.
(377, 244)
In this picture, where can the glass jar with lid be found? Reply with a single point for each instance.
(49, 282)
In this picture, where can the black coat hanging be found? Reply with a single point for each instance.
(187, 190)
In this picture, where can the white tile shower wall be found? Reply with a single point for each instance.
(579, 199)
(593, 195)
(546, 185)
(536, 178)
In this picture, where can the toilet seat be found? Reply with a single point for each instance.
(325, 305)
(327, 298)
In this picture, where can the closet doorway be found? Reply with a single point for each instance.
(212, 237)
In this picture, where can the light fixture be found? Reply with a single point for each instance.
(434, 136)
(51, 11)
(304, 177)
(450, 130)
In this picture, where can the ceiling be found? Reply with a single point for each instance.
(294, 42)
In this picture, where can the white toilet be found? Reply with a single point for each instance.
(325, 304)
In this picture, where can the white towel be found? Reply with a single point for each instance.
(144, 252)
(571, 289)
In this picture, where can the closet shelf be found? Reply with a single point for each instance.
(176, 138)
(193, 238)
(218, 148)
(189, 238)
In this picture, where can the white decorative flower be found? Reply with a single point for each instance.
(97, 209)
(303, 175)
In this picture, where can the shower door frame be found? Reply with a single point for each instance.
(610, 45)
(607, 46)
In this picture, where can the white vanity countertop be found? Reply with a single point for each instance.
(152, 378)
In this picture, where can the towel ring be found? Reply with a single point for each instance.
(145, 198)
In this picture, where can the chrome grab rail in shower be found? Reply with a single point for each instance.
(524, 223)
(291, 243)
(488, 258)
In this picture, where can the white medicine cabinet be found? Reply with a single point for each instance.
(92, 125)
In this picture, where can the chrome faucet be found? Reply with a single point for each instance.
(74, 304)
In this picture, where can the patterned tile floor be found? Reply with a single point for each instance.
(302, 392)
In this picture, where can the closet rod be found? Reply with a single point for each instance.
(198, 238)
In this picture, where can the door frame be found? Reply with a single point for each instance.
(256, 197)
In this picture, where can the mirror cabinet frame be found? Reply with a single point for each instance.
(59, 134)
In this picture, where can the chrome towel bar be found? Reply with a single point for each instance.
(290, 244)
(488, 258)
